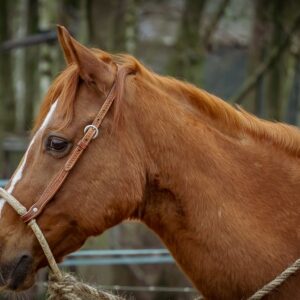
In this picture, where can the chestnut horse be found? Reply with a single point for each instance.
(219, 186)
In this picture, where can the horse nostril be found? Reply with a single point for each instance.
(20, 271)
(24, 260)
(25, 257)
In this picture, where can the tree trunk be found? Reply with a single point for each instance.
(100, 23)
(31, 77)
(255, 101)
(7, 101)
(131, 26)
(276, 80)
(276, 23)
(294, 99)
(113, 24)
(187, 61)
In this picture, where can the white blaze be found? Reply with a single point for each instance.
(18, 175)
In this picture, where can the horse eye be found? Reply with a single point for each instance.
(56, 144)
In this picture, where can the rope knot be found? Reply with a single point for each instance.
(67, 287)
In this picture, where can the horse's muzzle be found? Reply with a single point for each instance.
(15, 272)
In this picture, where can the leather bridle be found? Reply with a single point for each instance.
(90, 133)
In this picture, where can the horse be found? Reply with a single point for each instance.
(218, 185)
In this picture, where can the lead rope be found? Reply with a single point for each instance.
(275, 283)
(21, 210)
(62, 286)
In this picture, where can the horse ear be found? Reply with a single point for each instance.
(63, 45)
(93, 70)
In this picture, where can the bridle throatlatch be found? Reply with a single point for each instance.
(63, 286)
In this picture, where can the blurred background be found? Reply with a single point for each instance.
(245, 51)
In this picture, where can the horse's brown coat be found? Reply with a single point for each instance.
(218, 185)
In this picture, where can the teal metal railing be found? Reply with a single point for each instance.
(118, 257)
(3, 182)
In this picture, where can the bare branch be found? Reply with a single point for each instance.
(31, 40)
(214, 22)
(265, 66)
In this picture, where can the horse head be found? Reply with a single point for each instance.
(103, 188)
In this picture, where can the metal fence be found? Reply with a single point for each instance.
(114, 257)
(3, 182)
(118, 257)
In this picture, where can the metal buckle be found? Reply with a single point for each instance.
(93, 127)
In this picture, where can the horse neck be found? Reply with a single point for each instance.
(217, 202)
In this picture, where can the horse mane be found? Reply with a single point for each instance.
(236, 121)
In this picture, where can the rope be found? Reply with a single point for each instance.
(275, 283)
(21, 210)
(62, 286)
(66, 287)
(47, 251)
